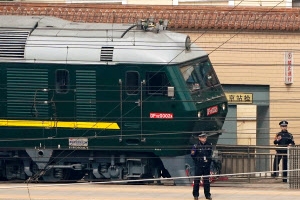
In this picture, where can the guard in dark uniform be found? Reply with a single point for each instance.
(202, 156)
(282, 139)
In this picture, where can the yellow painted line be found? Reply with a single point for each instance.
(60, 124)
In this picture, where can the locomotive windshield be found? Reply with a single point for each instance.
(199, 76)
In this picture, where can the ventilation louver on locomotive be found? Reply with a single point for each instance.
(12, 43)
(107, 53)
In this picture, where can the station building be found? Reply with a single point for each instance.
(255, 52)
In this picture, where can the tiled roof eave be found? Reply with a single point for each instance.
(180, 17)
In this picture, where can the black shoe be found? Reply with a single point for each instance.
(209, 198)
(284, 180)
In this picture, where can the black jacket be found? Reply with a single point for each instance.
(202, 154)
(286, 139)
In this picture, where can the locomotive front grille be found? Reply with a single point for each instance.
(12, 43)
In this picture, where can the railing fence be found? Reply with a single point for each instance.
(250, 162)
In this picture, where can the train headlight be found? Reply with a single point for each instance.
(199, 114)
(223, 106)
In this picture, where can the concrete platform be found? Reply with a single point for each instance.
(93, 191)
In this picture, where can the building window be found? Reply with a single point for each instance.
(62, 81)
(132, 82)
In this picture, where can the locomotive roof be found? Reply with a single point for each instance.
(50, 39)
(52, 26)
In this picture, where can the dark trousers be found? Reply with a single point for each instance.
(201, 171)
(276, 162)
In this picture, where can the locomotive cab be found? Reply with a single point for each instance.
(205, 90)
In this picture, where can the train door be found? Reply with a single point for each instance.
(131, 108)
(62, 98)
(2, 94)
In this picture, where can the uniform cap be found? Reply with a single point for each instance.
(202, 135)
(283, 123)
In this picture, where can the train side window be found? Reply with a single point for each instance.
(132, 82)
(62, 80)
(157, 83)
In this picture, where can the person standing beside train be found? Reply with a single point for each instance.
(282, 139)
(201, 153)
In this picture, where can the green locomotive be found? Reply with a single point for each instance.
(102, 101)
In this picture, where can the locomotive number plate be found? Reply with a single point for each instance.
(161, 115)
(78, 143)
(212, 110)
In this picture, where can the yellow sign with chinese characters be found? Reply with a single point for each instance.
(236, 98)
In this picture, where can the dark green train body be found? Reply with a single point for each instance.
(104, 101)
